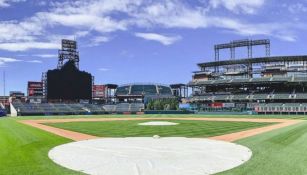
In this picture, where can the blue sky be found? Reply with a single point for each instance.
(125, 41)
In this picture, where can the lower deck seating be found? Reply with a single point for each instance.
(239, 97)
(282, 108)
(56, 109)
(301, 96)
(124, 107)
(221, 97)
(281, 96)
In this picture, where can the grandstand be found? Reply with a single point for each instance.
(141, 93)
(267, 85)
(124, 107)
(23, 109)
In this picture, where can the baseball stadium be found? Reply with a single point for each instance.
(235, 117)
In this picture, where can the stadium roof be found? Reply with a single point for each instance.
(254, 60)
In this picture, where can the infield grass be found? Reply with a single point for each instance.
(132, 129)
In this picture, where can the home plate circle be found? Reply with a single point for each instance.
(149, 156)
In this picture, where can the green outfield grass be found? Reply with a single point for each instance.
(24, 151)
(132, 129)
(280, 152)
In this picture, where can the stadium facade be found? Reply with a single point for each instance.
(266, 85)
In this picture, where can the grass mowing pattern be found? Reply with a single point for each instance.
(24, 150)
(132, 129)
(280, 152)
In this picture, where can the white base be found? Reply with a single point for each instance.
(149, 156)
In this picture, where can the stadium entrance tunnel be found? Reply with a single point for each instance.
(150, 156)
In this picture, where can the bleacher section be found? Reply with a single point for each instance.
(56, 109)
(260, 79)
(110, 108)
(287, 79)
(281, 108)
(300, 79)
(301, 96)
(124, 107)
(259, 96)
(221, 97)
(73, 109)
(281, 96)
(239, 97)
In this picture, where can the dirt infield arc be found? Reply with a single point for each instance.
(76, 136)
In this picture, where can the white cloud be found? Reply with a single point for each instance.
(5, 60)
(22, 46)
(247, 29)
(7, 3)
(17, 31)
(98, 40)
(103, 69)
(46, 55)
(296, 7)
(126, 53)
(93, 20)
(237, 6)
(170, 14)
(163, 39)
(84, 21)
(35, 61)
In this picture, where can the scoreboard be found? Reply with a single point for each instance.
(35, 88)
(99, 91)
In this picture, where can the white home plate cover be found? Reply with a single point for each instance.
(150, 156)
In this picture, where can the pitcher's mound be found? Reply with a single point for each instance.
(158, 123)
(149, 156)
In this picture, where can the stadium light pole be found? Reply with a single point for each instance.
(3, 83)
